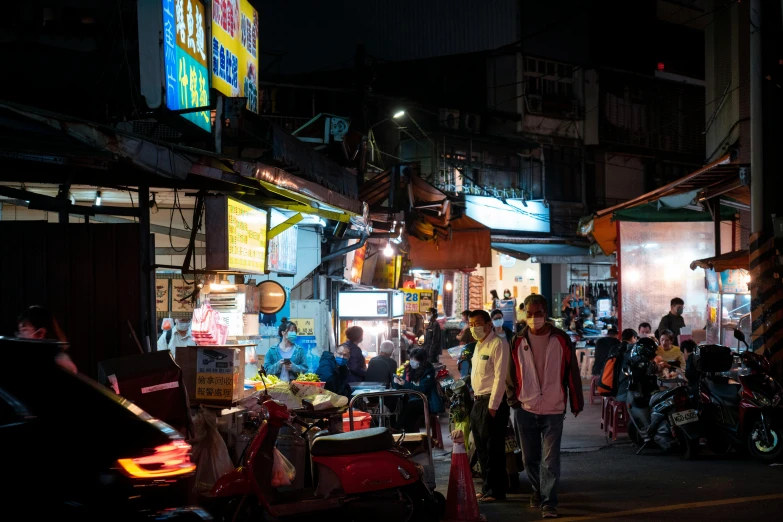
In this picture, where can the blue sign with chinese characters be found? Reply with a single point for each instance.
(185, 59)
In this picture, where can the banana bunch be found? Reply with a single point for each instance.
(421, 229)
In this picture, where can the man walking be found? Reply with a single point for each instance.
(544, 373)
(489, 417)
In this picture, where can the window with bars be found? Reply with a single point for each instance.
(549, 79)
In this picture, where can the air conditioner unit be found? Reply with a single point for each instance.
(534, 103)
(471, 123)
(449, 118)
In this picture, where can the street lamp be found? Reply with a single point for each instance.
(399, 114)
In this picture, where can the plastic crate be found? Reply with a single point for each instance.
(361, 421)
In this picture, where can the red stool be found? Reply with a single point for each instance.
(606, 409)
(618, 421)
(437, 434)
(593, 388)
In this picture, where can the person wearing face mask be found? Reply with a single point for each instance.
(419, 376)
(333, 370)
(180, 337)
(498, 328)
(287, 359)
(357, 365)
(489, 416)
(464, 336)
(543, 375)
(433, 337)
(673, 321)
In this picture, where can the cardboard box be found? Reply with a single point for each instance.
(213, 374)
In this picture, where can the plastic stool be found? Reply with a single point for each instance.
(606, 409)
(618, 421)
(437, 435)
(593, 388)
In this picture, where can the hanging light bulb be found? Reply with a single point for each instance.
(153, 205)
(98, 199)
(449, 286)
(388, 251)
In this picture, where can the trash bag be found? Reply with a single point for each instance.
(283, 472)
(209, 451)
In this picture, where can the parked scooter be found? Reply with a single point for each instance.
(742, 410)
(364, 473)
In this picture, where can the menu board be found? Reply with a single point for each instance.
(235, 50)
(246, 237)
(161, 295)
(282, 247)
(180, 292)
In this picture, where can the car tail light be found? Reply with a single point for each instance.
(169, 460)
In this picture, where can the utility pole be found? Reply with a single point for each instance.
(765, 112)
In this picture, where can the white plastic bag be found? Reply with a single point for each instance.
(209, 451)
(456, 352)
(283, 472)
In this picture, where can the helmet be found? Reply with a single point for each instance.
(644, 348)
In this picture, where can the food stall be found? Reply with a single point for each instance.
(378, 312)
(728, 305)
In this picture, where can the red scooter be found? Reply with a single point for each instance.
(364, 473)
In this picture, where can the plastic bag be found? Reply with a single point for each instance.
(209, 451)
(283, 472)
(456, 352)
(464, 425)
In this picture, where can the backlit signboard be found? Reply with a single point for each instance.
(236, 236)
(282, 247)
(185, 59)
(363, 305)
(235, 50)
(511, 214)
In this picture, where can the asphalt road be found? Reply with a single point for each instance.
(615, 484)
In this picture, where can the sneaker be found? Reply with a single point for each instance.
(535, 500)
(548, 512)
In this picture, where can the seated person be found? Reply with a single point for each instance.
(420, 376)
(383, 367)
(334, 372)
(691, 373)
(603, 346)
(668, 352)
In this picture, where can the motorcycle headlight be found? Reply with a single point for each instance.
(761, 399)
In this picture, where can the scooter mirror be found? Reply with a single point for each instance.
(738, 335)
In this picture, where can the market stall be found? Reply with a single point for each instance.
(728, 307)
(378, 312)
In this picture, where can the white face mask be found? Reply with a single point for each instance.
(414, 364)
(497, 323)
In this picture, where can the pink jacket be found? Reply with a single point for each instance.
(561, 380)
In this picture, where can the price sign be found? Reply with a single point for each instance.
(411, 302)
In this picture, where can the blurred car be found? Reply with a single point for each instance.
(74, 448)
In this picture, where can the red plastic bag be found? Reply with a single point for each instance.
(283, 472)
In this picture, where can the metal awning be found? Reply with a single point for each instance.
(721, 177)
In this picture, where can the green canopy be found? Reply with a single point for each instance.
(650, 213)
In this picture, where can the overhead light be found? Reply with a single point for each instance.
(220, 285)
(388, 251)
(98, 199)
(449, 286)
(398, 114)
(153, 205)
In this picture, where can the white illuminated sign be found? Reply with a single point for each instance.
(364, 305)
(513, 215)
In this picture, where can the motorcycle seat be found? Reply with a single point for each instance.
(724, 392)
(352, 442)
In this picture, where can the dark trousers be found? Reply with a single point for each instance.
(489, 436)
(411, 412)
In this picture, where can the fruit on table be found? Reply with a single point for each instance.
(308, 377)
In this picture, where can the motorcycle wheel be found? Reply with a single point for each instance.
(236, 509)
(760, 451)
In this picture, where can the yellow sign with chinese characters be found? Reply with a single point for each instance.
(247, 227)
(215, 386)
(304, 327)
(235, 50)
